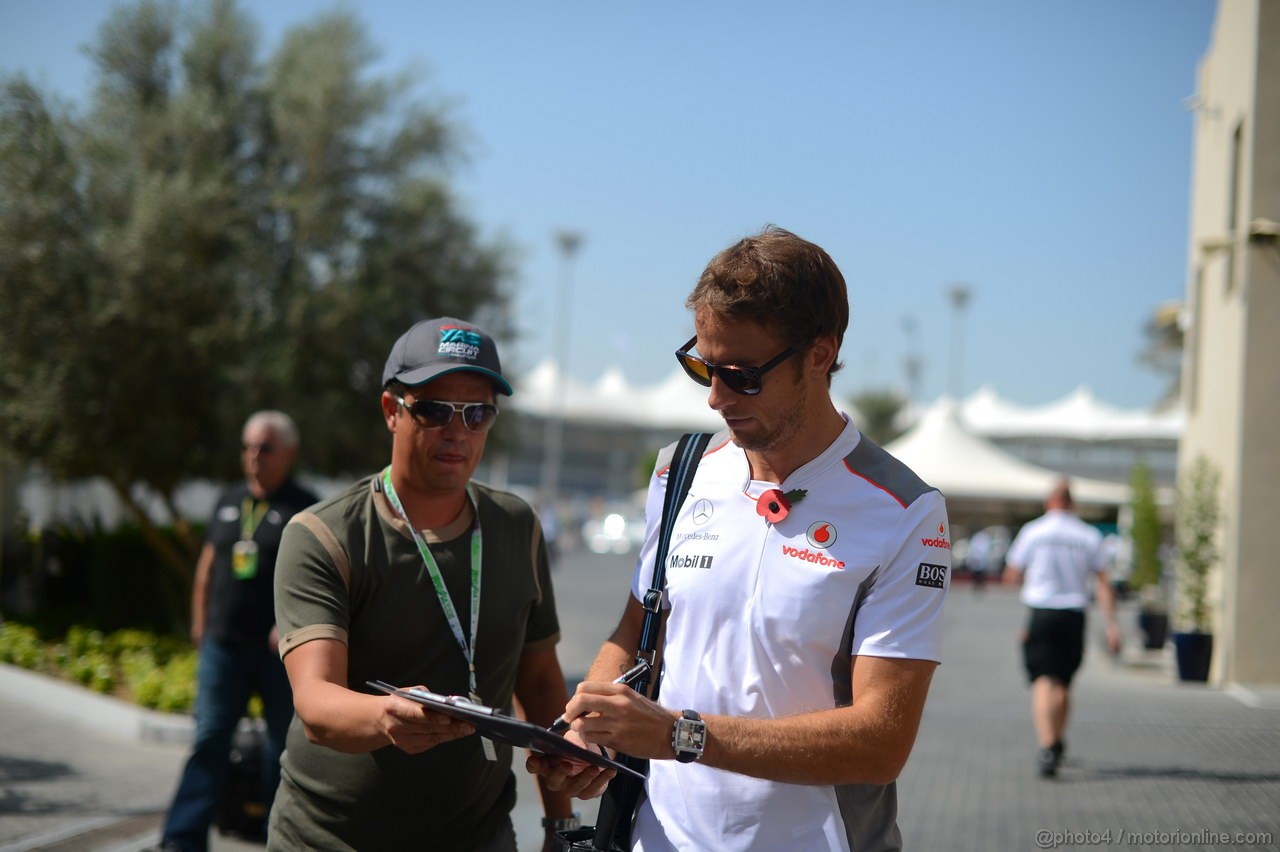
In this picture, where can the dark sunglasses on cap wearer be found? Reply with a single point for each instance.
(743, 380)
(438, 413)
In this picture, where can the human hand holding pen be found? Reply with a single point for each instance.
(574, 777)
(559, 726)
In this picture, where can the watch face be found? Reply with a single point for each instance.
(691, 735)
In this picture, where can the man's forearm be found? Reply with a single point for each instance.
(199, 592)
(1106, 599)
(341, 719)
(612, 661)
(839, 746)
(867, 742)
(618, 653)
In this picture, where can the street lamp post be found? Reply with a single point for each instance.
(553, 433)
(911, 364)
(959, 295)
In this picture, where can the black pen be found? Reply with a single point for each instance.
(559, 726)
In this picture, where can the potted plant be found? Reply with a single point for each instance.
(1197, 521)
(1147, 575)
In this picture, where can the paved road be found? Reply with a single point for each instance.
(1145, 754)
(1149, 760)
(82, 772)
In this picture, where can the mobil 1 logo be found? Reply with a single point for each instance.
(690, 560)
(933, 576)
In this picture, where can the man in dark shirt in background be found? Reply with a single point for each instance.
(233, 626)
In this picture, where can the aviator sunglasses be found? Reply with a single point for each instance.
(438, 413)
(743, 380)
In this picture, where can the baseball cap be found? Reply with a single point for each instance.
(433, 348)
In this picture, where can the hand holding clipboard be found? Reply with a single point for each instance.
(496, 725)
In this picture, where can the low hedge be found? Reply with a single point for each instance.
(153, 671)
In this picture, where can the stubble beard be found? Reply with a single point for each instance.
(786, 428)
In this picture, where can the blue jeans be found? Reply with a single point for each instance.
(228, 674)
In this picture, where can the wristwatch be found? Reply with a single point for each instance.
(568, 823)
(689, 736)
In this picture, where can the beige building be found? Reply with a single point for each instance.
(1231, 382)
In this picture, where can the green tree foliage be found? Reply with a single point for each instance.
(1145, 531)
(879, 410)
(218, 233)
(644, 469)
(1162, 348)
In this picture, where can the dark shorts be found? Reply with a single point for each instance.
(1055, 644)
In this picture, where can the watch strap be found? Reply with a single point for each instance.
(568, 823)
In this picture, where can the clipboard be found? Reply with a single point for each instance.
(497, 725)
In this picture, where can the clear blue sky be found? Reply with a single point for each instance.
(1038, 152)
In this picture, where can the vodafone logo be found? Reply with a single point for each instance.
(939, 542)
(813, 556)
(821, 535)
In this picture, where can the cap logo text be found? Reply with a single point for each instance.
(459, 343)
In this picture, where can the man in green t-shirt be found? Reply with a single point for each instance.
(415, 575)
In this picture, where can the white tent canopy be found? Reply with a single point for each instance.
(676, 402)
(1079, 416)
(947, 445)
(962, 465)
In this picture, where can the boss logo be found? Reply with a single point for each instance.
(933, 576)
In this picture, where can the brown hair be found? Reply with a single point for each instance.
(784, 283)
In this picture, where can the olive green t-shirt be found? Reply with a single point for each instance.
(349, 570)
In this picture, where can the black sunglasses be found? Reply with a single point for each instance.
(743, 380)
(438, 413)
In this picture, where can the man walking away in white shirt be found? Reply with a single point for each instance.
(1053, 557)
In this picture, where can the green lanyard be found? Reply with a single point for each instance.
(251, 515)
(442, 592)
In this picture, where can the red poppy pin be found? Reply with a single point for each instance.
(774, 505)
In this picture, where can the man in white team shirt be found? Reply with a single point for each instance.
(805, 585)
(1054, 558)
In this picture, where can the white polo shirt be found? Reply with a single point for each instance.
(765, 620)
(1059, 554)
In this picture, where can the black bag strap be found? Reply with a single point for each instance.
(618, 805)
(684, 464)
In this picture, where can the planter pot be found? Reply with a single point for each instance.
(1155, 629)
(1193, 651)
